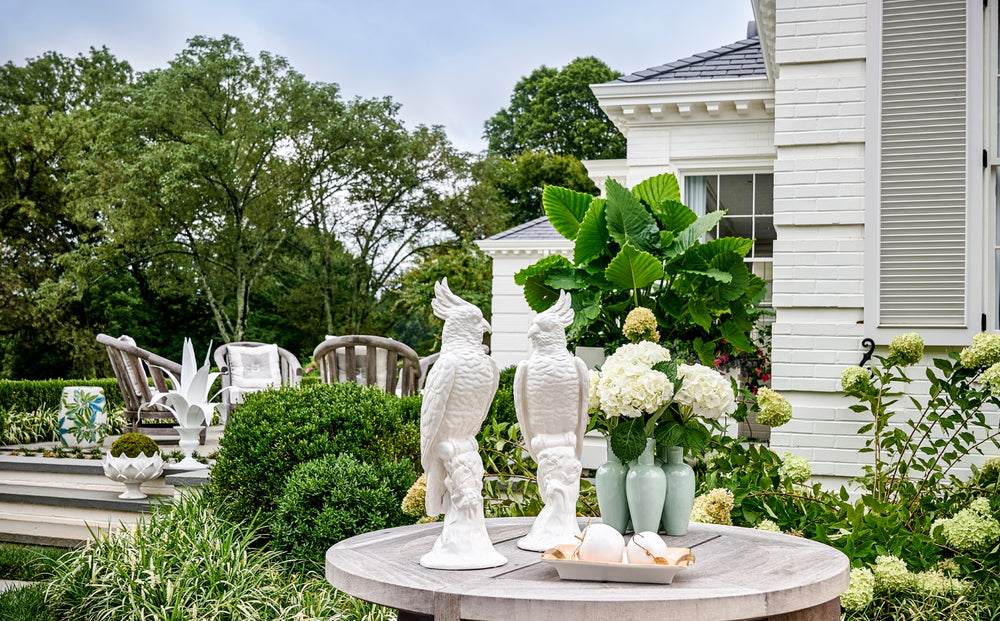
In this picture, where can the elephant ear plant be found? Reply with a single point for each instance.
(644, 248)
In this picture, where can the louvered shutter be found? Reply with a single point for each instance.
(924, 165)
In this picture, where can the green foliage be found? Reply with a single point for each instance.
(28, 563)
(508, 191)
(28, 426)
(28, 395)
(502, 409)
(470, 276)
(186, 562)
(554, 110)
(336, 497)
(510, 488)
(643, 248)
(132, 444)
(276, 430)
(26, 604)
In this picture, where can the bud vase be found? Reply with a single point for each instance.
(680, 486)
(646, 489)
(609, 479)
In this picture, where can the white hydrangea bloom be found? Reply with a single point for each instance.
(707, 392)
(628, 385)
(595, 399)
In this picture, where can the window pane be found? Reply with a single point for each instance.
(741, 226)
(764, 244)
(763, 195)
(712, 194)
(736, 194)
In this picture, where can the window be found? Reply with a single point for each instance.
(748, 200)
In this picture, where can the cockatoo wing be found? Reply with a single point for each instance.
(433, 410)
(583, 375)
(521, 404)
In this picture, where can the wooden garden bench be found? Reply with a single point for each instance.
(136, 370)
(369, 360)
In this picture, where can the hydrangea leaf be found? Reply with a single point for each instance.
(628, 439)
(565, 209)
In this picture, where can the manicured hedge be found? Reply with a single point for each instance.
(274, 431)
(30, 395)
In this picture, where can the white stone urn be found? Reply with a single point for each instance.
(132, 471)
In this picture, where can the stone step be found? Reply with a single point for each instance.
(43, 534)
(86, 474)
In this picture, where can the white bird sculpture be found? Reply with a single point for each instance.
(551, 398)
(456, 398)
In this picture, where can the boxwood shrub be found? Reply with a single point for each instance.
(336, 497)
(30, 395)
(274, 431)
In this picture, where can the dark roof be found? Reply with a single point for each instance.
(742, 59)
(538, 229)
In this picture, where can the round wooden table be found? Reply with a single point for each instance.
(739, 573)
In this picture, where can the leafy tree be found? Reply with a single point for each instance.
(555, 110)
(513, 187)
(196, 170)
(45, 108)
(470, 276)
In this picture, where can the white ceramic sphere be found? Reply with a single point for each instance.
(640, 543)
(601, 543)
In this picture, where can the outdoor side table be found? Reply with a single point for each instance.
(739, 573)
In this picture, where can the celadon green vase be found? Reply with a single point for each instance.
(609, 479)
(680, 485)
(646, 489)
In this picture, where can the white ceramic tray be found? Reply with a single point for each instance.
(614, 572)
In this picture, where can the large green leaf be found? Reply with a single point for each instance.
(542, 267)
(565, 209)
(734, 265)
(699, 313)
(586, 308)
(694, 232)
(540, 295)
(736, 337)
(713, 273)
(628, 221)
(658, 189)
(568, 279)
(740, 246)
(674, 216)
(628, 439)
(633, 269)
(592, 238)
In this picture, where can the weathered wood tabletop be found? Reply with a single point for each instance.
(739, 573)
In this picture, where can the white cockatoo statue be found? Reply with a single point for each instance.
(551, 395)
(456, 398)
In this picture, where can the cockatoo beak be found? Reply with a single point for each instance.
(485, 325)
(534, 330)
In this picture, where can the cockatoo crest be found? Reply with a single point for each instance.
(463, 321)
(549, 326)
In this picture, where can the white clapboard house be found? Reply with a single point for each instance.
(857, 142)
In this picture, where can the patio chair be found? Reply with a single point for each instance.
(246, 366)
(369, 360)
(135, 369)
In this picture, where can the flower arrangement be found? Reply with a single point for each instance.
(640, 393)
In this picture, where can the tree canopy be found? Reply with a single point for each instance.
(554, 110)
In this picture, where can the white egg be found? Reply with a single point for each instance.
(601, 543)
(641, 543)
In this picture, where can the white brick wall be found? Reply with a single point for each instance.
(819, 122)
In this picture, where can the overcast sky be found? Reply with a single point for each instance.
(451, 63)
